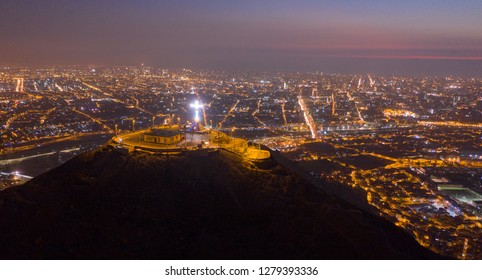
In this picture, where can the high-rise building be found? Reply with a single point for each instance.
(333, 112)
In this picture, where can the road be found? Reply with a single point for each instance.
(229, 112)
(308, 119)
(93, 119)
(19, 159)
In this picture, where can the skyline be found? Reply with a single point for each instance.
(409, 37)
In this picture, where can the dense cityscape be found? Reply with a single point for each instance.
(409, 146)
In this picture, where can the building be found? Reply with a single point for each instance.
(479, 105)
(163, 136)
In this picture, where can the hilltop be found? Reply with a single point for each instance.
(197, 205)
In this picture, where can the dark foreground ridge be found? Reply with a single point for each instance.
(105, 204)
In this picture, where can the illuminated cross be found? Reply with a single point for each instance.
(196, 105)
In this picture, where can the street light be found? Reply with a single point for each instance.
(232, 138)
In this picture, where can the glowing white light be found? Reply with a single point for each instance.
(196, 106)
(196, 116)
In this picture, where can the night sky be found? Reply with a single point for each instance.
(432, 37)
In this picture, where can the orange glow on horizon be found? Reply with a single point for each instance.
(421, 57)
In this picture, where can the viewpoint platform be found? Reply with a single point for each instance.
(174, 139)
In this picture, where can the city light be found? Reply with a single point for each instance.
(412, 151)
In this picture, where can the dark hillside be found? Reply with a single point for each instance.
(107, 205)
